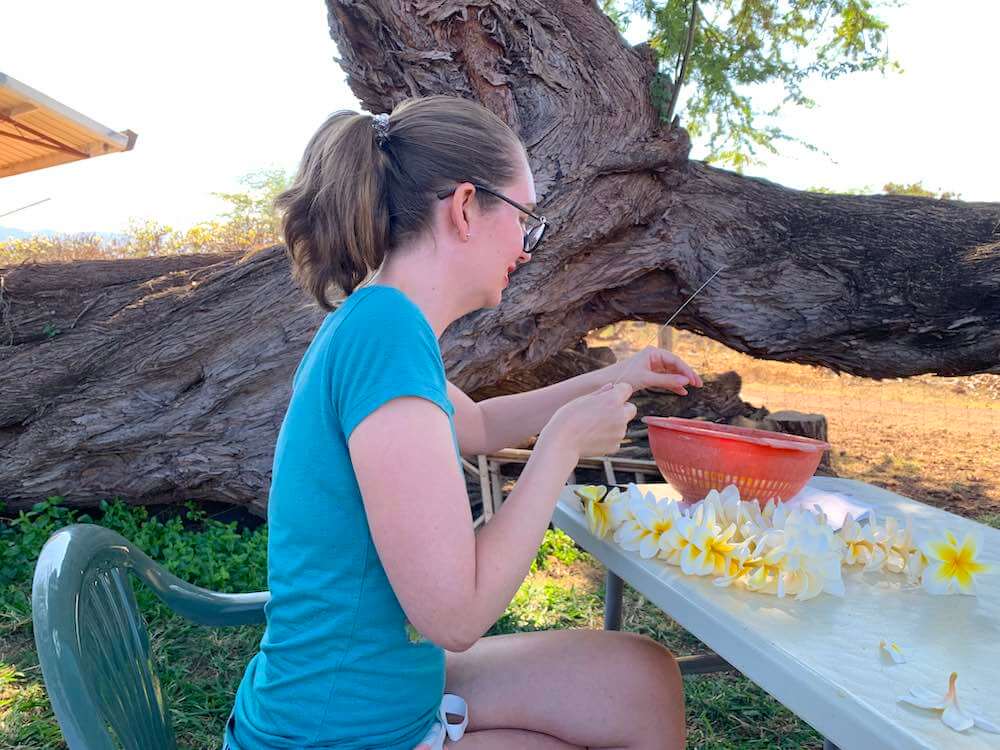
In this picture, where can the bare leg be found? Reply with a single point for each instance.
(508, 739)
(584, 688)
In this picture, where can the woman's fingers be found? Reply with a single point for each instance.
(669, 360)
(671, 382)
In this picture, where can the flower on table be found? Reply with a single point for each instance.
(892, 650)
(740, 564)
(726, 504)
(860, 545)
(915, 565)
(708, 546)
(598, 503)
(952, 713)
(952, 566)
(745, 515)
(806, 555)
(896, 543)
(759, 576)
(633, 498)
(627, 527)
(651, 528)
(629, 531)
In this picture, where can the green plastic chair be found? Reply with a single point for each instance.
(92, 642)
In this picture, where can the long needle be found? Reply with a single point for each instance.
(670, 320)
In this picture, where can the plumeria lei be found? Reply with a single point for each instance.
(775, 549)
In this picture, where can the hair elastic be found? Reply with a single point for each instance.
(380, 124)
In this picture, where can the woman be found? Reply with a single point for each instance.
(380, 589)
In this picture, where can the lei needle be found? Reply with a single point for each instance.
(719, 270)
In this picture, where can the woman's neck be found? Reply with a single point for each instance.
(426, 290)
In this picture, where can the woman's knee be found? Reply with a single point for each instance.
(649, 684)
(655, 658)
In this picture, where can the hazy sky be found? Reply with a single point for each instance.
(216, 89)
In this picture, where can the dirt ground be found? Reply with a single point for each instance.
(936, 440)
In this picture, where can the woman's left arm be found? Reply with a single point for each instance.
(503, 421)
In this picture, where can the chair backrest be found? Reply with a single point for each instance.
(92, 642)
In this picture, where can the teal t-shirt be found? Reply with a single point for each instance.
(338, 666)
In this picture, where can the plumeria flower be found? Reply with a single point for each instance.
(726, 504)
(897, 544)
(892, 650)
(807, 554)
(752, 523)
(738, 564)
(648, 525)
(951, 566)
(622, 511)
(951, 713)
(598, 503)
(767, 512)
(916, 563)
(709, 546)
(659, 524)
(861, 546)
(761, 577)
(630, 531)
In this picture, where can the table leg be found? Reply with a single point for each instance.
(613, 602)
(704, 664)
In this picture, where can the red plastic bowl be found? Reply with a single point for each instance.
(696, 457)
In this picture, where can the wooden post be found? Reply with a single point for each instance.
(484, 488)
(609, 471)
(496, 485)
(665, 338)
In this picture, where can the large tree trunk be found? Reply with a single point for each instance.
(164, 378)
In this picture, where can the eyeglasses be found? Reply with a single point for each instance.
(532, 235)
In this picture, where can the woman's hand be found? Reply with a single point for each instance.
(593, 424)
(655, 368)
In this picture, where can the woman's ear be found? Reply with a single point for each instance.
(462, 209)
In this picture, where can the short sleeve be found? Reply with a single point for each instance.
(384, 349)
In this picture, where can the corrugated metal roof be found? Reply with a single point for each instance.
(38, 132)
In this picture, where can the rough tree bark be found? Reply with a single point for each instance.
(165, 378)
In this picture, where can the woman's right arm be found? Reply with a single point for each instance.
(452, 583)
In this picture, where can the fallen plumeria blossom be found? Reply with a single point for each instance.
(952, 567)
(951, 713)
(893, 651)
(775, 548)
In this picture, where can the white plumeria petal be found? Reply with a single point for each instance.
(934, 580)
(985, 724)
(922, 693)
(649, 546)
(730, 494)
(955, 718)
(929, 702)
(893, 651)
(688, 564)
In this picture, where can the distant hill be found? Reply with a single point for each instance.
(9, 233)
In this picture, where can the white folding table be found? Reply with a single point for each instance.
(821, 657)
